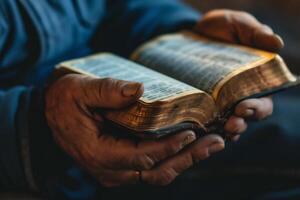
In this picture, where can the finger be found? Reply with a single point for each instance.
(110, 93)
(255, 108)
(251, 32)
(148, 153)
(264, 40)
(217, 24)
(168, 170)
(116, 178)
(267, 29)
(235, 138)
(235, 125)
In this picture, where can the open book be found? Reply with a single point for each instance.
(190, 82)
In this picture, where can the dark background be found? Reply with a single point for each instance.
(282, 15)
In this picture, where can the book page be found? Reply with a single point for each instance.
(157, 87)
(195, 60)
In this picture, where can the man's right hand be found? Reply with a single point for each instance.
(70, 102)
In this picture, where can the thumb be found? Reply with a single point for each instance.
(111, 93)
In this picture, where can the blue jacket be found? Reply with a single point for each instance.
(34, 36)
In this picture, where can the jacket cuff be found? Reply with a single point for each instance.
(46, 158)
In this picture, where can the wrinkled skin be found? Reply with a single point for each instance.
(71, 100)
(239, 27)
(115, 161)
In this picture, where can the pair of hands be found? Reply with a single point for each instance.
(70, 102)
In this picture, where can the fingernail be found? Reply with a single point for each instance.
(280, 39)
(280, 42)
(215, 147)
(188, 140)
(130, 89)
(248, 112)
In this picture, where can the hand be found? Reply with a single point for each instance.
(243, 28)
(238, 27)
(70, 105)
(250, 109)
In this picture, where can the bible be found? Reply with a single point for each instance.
(190, 82)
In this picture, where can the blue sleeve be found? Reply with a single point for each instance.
(36, 32)
(14, 106)
(11, 172)
(33, 33)
(27, 147)
(129, 23)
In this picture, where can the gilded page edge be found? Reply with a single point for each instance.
(234, 73)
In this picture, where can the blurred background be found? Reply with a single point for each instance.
(282, 15)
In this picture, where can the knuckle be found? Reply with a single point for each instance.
(164, 177)
(167, 176)
(105, 87)
(119, 83)
(200, 154)
(188, 160)
(260, 114)
(244, 14)
(172, 147)
(142, 161)
(106, 84)
(238, 125)
(108, 80)
(267, 28)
